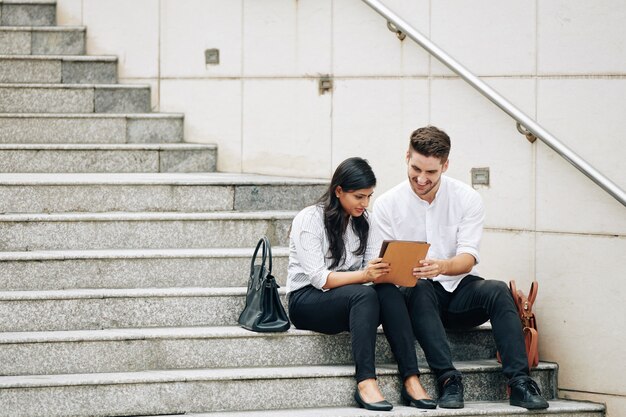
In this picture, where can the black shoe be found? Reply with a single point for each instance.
(525, 393)
(451, 393)
(383, 405)
(425, 403)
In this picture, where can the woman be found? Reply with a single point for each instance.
(331, 254)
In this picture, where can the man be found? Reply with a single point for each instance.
(449, 215)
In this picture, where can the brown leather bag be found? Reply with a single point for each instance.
(524, 304)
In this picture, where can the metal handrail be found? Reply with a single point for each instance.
(403, 28)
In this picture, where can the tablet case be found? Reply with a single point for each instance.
(403, 256)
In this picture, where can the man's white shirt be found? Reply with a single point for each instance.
(452, 223)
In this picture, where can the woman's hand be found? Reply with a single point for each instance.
(375, 269)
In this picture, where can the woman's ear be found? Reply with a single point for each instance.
(338, 191)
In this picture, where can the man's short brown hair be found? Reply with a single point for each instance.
(431, 141)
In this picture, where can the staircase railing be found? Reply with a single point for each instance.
(525, 124)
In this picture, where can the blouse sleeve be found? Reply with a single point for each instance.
(308, 240)
(374, 241)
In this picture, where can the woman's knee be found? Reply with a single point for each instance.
(364, 297)
(387, 291)
(363, 293)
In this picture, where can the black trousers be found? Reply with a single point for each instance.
(352, 308)
(476, 300)
(396, 322)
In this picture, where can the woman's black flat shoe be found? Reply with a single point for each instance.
(408, 400)
(383, 405)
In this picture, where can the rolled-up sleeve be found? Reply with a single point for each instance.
(471, 228)
(308, 238)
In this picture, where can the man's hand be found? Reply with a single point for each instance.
(430, 268)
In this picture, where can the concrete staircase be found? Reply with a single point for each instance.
(124, 258)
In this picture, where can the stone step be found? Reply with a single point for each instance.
(43, 40)
(134, 192)
(119, 308)
(145, 268)
(558, 408)
(91, 128)
(74, 98)
(101, 158)
(229, 389)
(133, 350)
(28, 232)
(27, 12)
(58, 69)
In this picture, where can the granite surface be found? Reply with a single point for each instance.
(43, 14)
(104, 198)
(90, 128)
(145, 130)
(30, 71)
(14, 42)
(122, 99)
(133, 269)
(58, 42)
(154, 234)
(211, 390)
(88, 72)
(33, 99)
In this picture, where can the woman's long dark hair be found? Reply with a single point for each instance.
(351, 175)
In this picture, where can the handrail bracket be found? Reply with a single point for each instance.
(401, 35)
(529, 135)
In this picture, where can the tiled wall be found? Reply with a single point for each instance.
(563, 62)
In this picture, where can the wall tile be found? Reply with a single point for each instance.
(286, 128)
(209, 120)
(484, 136)
(507, 255)
(587, 115)
(374, 119)
(489, 37)
(363, 46)
(579, 274)
(69, 12)
(615, 406)
(286, 37)
(581, 37)
(128, 29)
(189, 27)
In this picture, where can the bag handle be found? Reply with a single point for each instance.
(267, 252)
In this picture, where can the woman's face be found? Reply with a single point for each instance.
(354, 202)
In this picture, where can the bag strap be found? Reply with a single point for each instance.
(515, 296)
(532, 295)
(267, 251)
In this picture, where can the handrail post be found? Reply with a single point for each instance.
(505, 105)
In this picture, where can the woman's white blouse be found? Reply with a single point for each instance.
(309, 261)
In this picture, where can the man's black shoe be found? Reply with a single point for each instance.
(525, 393)
(451, 393)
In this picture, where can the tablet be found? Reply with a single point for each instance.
(403, 256)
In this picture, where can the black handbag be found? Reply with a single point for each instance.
(263, 312)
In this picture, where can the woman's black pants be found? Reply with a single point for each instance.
(352, 308)
(396, 321)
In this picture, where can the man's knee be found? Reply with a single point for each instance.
(497, 291)
(423, 291)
